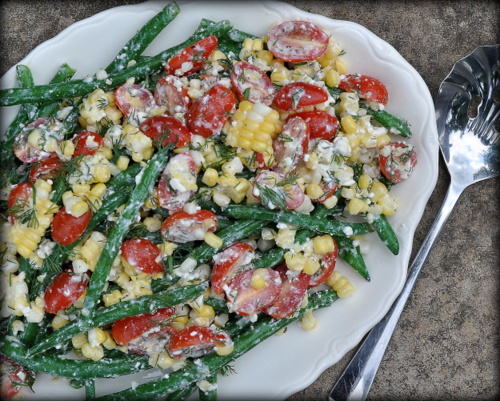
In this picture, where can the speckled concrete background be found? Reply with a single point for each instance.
(446, 344)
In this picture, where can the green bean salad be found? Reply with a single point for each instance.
(174, 211)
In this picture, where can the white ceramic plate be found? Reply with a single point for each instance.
(284, 364)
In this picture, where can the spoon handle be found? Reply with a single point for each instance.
(357, 378)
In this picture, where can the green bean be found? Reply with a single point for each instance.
(275, 256)
(218, 304)
(72, 368)
(211, 393)
(64, 73)
(240, 230)
(52, 265)
(352, 256)
(262, 329)
(183, 393)
(386, 233)
(332, 227)
(23, 116)
(81, 87)
(89, 389)
(232, 41)
(142, 190)
(143, 37)
(389, 121)
(145, 304)
(30, 111)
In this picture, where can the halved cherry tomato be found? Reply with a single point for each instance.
(246, 297)
(172, 93)
(67, 228)
(183, 227)
(151, 342)
(166, 129)
(133, 97)
(143, 254)
(261, 162)
(193, 58)
(87, 143)
(232, 260)
(208, 114)
(296, 95)
(292, 292)
(329, 189)
(252, 84)
(26, 152)
(291, 145)
(172, 194)
(129, 328)
(46, 169)
(322, 125)
(20, 200)
(64, 290)
(365, 86)
(397, 160)
(297, 41)
(291, 193)
(14, 377)
(196, 341)
(327, 266)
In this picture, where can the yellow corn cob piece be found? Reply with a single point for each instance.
(27, 236)
(253, 127)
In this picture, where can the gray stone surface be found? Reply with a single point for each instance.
(446, 344)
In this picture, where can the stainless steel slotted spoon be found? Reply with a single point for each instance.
(470, 144)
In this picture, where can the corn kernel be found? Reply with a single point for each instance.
(364, 181)
(109, 342)
(164, 360)
(356, 206)
(122, 162)
(106, 152)
(167, 248)
(94, 353)
(112, 298)
(98, 190)
(96, 336)
(331, 78)
(311, 266)
(265, 55)
(294, 262)
(102, 173)
(182, 319)
(258, 280)
(340, 66)
(213, 240)
(217, 55)
(308, 320)
(340, 284)
(210, 177)
(348, 124)
(314, 191)
(67, 148)
(59, 321)
(34, 137)
(79, 208)
(79, 340)
(206, 311)
(152, 224)
(323, 244)
(377, 191)
(224, 349)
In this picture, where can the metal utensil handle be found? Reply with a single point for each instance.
(357, 378)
